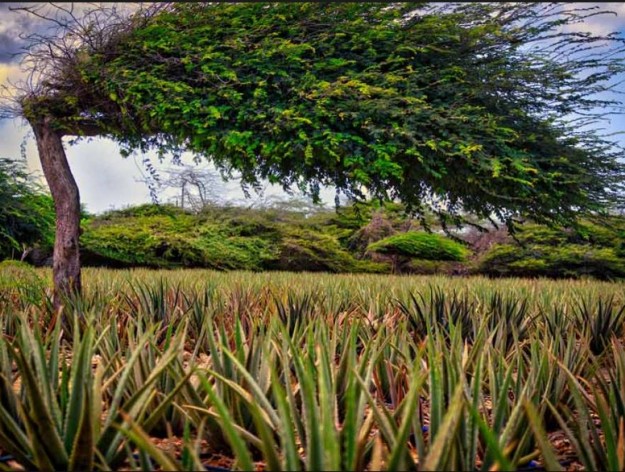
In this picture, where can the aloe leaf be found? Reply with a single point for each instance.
(110, 438)
(163, 404)
(286, 425)
(144, 442)
(215, 416)
(328, 417)
(243, 457)
(314, 447)
(549, 458)
(17, 445)
(258, 392)
(81, 380)
(582, 448)
(81, 457)
(399, 450)
(43, 459)
(125, 376)
(492, 443)
(442, 442)
(40, 426)
(269, 447)
(620, 448)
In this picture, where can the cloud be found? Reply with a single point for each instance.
(602, 24)
(12, 25)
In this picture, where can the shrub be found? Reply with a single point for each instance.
(26, 212)
(592, 248)
(306, 250)
(569, 260)
(19, 277)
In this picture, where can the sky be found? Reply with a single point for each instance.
(107, 181)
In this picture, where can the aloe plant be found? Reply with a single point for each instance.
(600, 321)
(56, 420)
(302, 371)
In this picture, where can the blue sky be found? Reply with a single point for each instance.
(108, 181)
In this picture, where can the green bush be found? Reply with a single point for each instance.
(26, 211)
(308, 250)
(175, 240)
(19, 277)
(353, 240)
(569, 260)
(225, 239)
(592, 248)
(421, 245)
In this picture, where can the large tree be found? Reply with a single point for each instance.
(481, 108)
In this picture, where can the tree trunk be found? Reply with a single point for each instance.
(66, 265)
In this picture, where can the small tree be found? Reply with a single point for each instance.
(475, 107)
(419, 245)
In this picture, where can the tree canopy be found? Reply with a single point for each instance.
(481, 108)
(459, 108)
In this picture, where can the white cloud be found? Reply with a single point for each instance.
(602, 24)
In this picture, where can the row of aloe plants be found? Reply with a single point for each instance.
(299, 380)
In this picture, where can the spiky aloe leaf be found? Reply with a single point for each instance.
(286, 427)
(81, 381)
(144, 442)
(14, 440)
(81, 457)
(399, 455)
(439, 450)
(242, 454)
(549, 458)
(43, 436)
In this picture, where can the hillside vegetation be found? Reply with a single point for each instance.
(357, 238)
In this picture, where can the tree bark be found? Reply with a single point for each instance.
(66, 261)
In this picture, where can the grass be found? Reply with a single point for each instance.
(189, 369)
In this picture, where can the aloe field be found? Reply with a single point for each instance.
(203, 370)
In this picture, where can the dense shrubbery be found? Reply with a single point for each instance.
(358, 238)
(224, 238)
(26, 213)
(419, 252)
(593, 249)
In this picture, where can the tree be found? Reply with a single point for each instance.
(26, 213)
(480, 107)
(196, 188)
(419, 245)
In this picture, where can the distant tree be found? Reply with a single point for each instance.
(26, 213)
(195, 187)
(477, 107)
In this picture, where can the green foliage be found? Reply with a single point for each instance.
(303, 249)
(20, 278)
(52, 403)
(170, 240)
(26, 213)
(440, 104)
(590, 249)
(219, 238)
(421, 245)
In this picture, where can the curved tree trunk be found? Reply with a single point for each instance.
(66, 266)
